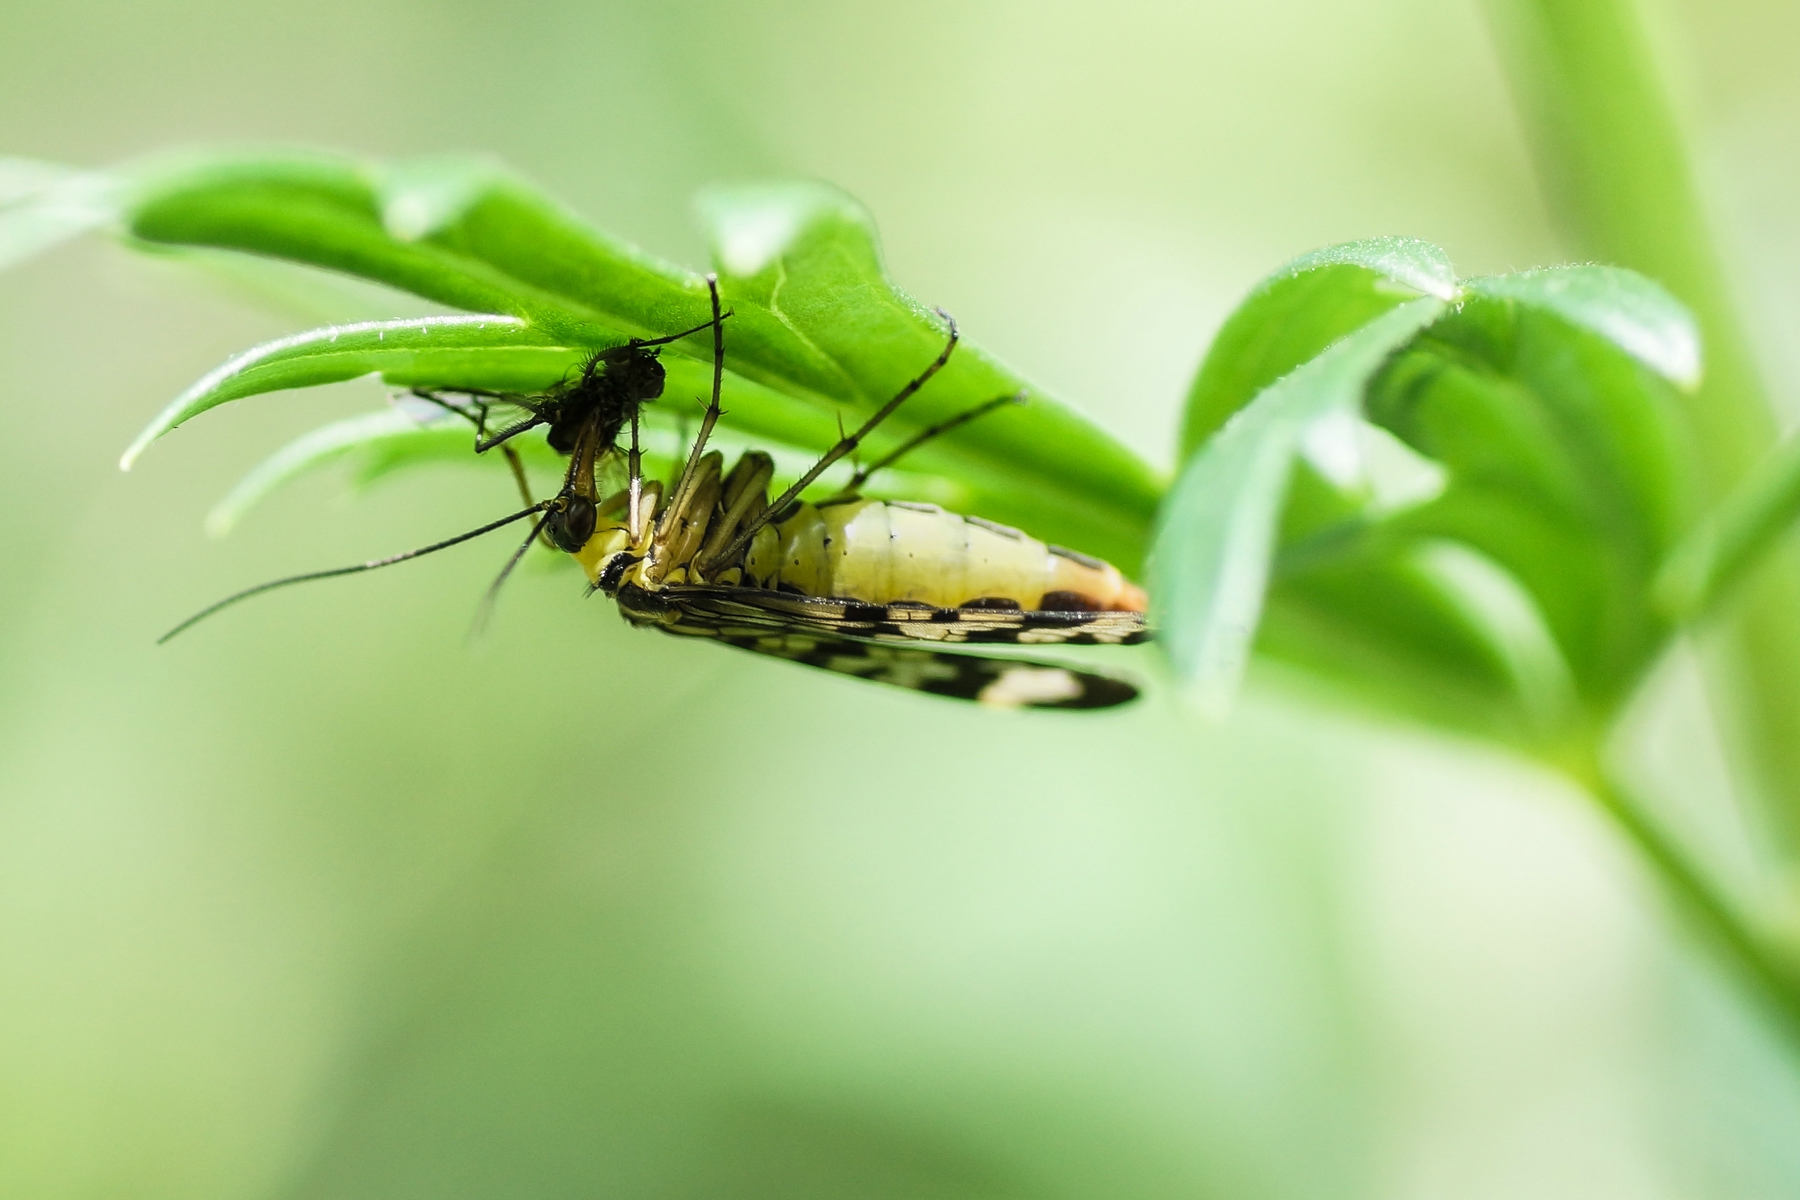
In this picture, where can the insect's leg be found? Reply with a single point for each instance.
(844, 446)
(518, 473)
(479, 395)
(634, 467)
(678, 534)
(925, 435)
(458, 410)
(493, 593)
(442, 403)
(479, 400)
(481, 430)
(712, 282)
(685, 484)
(744, 495)
(484, 443)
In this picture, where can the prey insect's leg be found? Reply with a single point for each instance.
(634, 466)
(676, 337)
(479, 421)
(482, 403)
(518, 473)
(371, 565)
(925, 435)
(844, 446)
(484, 443)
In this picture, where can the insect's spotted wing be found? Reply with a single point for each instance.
(900, 622)
(882, 642)
(1002, 682)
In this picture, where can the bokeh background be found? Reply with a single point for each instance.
(322, 902)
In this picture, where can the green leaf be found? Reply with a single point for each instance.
(1301, 309)
(330, 212)
(490, 346)
(1566, 469)
(806, 255)
(376, 445)
(1515, 601)
(1216, 535)
(380, 444)
(818, 333)
(43, 205)
(1733, 538)
(496, 353)
(1636, 314)
(331, 444)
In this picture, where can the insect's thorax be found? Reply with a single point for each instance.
(593, 405)
(610, 389)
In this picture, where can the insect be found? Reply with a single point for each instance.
(869, 588)
(584, 415)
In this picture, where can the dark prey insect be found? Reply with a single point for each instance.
(585, 416)
(870, 588)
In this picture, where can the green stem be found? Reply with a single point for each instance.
(1610, 152)
(1762, 964)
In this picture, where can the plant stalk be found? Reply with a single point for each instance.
(1732, 540)
(1762, 964)
(1610, 156)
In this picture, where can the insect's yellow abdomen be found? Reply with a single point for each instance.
(885, 552)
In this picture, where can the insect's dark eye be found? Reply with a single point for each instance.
(571, 526)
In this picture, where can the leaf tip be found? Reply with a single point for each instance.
(754, 224)
(423, 196)
(1635, 313)
(1410, 262)
(220, 521)
(139, 444)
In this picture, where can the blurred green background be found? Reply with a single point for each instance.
(321, 902)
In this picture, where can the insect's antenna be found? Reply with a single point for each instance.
(373, 564)
(844, 446)
(925, 435)
(493, 593)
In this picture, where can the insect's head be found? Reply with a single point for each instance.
(571, 522)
